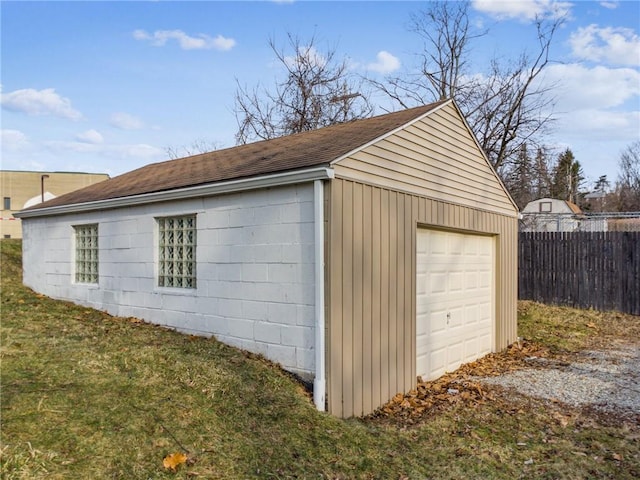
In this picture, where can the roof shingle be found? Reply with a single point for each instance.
(303, 150)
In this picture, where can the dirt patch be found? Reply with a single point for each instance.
(606, 381)
(603, 384)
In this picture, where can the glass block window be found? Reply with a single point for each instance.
(86, 253)
(177, 251)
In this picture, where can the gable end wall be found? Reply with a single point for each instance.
(436, 157)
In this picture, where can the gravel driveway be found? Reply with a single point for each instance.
(608, 381)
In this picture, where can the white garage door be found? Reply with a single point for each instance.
(454, 286)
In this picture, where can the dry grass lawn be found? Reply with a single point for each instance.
(86, 395)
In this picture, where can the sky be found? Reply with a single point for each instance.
(107, 87)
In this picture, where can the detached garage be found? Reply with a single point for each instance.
(358, 256)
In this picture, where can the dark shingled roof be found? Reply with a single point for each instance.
(302, 150)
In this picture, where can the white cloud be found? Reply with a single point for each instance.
(200, 42)
(524, 10)
(386, 63)
(610, 5)
(125, 121)
(595, 112)
(12, 139)
(619, 46)
(140, 151)
(604, 124)
(40, 102)
(580, 87)
(90, 136)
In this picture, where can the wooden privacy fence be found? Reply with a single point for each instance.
(600, 270)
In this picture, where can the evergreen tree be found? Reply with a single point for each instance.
(602, 185)
(519, 179)
(541, 177)
(567, 178)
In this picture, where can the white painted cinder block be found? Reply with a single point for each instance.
(268, 333)
(283, 354)
(255, 269)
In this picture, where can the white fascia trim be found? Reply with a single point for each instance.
(319, 382)
(264, 181)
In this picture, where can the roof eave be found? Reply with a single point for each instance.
(218, 188)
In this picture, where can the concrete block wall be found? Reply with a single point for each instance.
(254, 264)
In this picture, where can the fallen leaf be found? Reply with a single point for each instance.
(617, 456)
(561, 419)
(173, 460)
(592, 325)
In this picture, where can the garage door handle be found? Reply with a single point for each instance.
(448, 317)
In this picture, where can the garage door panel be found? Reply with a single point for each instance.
(471, 281)
(438, 361)
(454, 303)
(437, 283)
(437, 322)
(471, 315)
(455, 318)
(455, 352)
(456, 281)
(438, 245)
(485, 343)
(421, 282)
(471, 247)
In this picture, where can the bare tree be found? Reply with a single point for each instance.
(197, 146)
(317, 90)
(442, 72)
(505, 105)
(628, 184)
(510, 108)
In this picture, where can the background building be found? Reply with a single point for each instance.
(553, 215)
(20, 189)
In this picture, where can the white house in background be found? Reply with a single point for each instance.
(359, 256)
(552, 215)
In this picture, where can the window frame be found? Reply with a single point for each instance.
(6, 203)
(86, 255)
(176, 250)
(545, 207)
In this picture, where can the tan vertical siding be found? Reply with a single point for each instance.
(376, 299)
(334, 302)
(371, 301)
